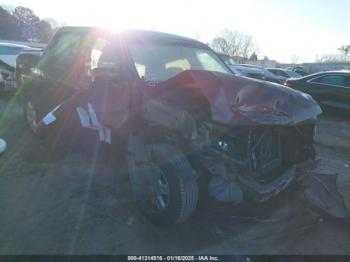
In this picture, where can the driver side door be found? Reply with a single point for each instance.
(60, 70)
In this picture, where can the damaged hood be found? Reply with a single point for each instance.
(238, 100)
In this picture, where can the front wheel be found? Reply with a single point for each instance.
(165, 189)
(31, 115)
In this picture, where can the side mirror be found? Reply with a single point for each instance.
(25, 62)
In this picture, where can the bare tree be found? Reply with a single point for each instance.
(234, 43)
(220, 44)
(294, 59)
(332, 58)
(342, 57)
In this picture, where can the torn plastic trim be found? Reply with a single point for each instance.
(266, 191)
(50, 117)
(88, 119)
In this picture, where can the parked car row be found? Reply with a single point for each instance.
(192, 132)
(331, 89)
(275, 75)
(284, 74)
(257, 72)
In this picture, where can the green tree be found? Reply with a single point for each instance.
(44, 31)
(345, 49)
(22, 24)
(253, 57)
(10, 29)
(28, 21)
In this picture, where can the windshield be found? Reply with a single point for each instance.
(157, 62)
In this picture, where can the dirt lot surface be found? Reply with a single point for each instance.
(80, 204)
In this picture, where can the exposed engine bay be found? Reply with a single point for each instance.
(256, 163)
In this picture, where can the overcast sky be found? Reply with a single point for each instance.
(281, 28)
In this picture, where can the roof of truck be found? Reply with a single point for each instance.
(134, 33)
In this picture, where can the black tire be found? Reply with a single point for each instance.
(182, 185)
(27, 104)
(38, 132)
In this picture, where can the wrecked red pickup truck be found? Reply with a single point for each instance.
(189, 128)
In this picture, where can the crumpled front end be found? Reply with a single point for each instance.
(253, 164)
(250, 140)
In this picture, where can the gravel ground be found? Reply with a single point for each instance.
(79, 205)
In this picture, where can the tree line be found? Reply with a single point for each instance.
(343, 56)
(235, 43)
(21, 24)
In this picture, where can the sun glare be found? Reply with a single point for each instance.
(116, 16)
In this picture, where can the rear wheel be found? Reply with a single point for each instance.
(166, 189)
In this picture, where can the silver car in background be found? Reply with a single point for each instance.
(284, 74)
(8, 55)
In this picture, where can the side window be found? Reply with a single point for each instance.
(347, 81)
(96, 52)
(141, 69)
(208, 62)
(66, 49)
(106, 53)
(61, 56)
(338, 80)
(106, 57)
